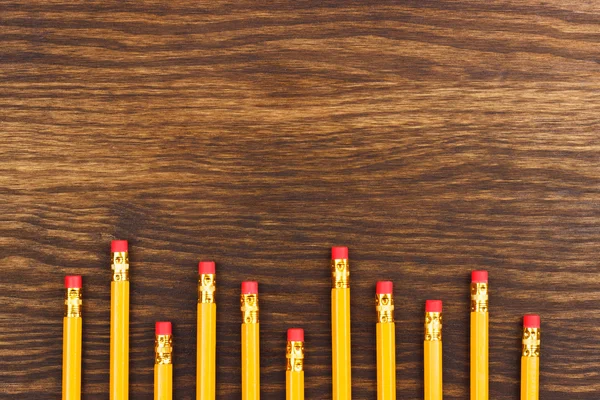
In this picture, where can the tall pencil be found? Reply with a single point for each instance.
(340, 324)
(432, 350)
(207, 332)
(250, 342)
(479, 335)
(385, 341)
(530, 358)
(119, 321)
(294, 372)
(163, 362)
(72, 330)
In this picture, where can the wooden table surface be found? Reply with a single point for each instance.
(432, 138)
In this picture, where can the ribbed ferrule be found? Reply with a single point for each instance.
(163, 349)
(340, 273)
(249, 308)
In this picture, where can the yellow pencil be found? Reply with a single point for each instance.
(119, 321)
(163, 362)
(294, 373)
(340, 324)
(386, 341)
(530, 358)
(250, 342)
(432, 347)
(479, 335)
(72, 329)
(207, 332)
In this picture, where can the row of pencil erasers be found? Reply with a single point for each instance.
(340, 335)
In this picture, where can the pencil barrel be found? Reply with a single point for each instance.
(433, 369)
(294, 385)
(341, 345)
(119, 340)
(530, 378)
(71, 380)
(250, 361)
(479, 355)
(163, 381)
(386, 361)
(206, 348)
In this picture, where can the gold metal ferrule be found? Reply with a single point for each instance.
(384, 305)
(163, 349)
(340, 273)
(433, 326)
(249, 307)
(294, 353)
(479, 297)
(73, 302)
(531, 342)
(120, 266)
(206, 288)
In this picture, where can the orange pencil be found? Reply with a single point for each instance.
(72, 328)
(340, 324)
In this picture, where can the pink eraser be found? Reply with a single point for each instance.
(118, 246)
(433, 306)
(206, 267)
(384, 287)
(479, 276)
(73, 281)
(531, 321)
(339, 252)
(163, 328)
(249, 287)
(295, 335)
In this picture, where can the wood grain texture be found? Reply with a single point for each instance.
(432, 138)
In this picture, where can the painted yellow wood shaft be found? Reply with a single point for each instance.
(71, 380)
(340, 341)
(433, 369)
(386, 360)
(530, 378)
(250, 361)
(163, 381)
(206, 351)
(294, 385)
(479, 355)
(119, 340)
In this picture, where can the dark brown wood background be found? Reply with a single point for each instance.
(432, 138)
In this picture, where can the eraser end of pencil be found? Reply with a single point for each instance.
(433, 306)
(163, 328)
(531, 321)
(479, 276)
(73, 281)
(249, 287)
(295, 335)
(339, 252)
(119, 246)
(384, 287)
(206, 267)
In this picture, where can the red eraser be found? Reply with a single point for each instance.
(206, 267)
(531, 321)
(433, 306)
(479, 276)
(295, 335)
(249, 287)
(384, 287)
(73, 281)
(118, 246)
(163, 328)
(339, 252)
